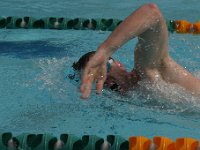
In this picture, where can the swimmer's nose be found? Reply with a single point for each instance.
(119, 64)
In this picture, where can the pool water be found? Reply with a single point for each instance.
(36, 96)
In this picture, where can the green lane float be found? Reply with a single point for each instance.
(91, 142)
(117, 142)
(13, 22)
(171, 25)
(2, 22)
(27, 141)
(103, 24)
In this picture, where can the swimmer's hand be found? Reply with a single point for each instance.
(95, 71)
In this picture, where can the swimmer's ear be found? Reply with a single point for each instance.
(71, 76)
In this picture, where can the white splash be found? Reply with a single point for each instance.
(52, 74)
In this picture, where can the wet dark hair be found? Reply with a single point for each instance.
(81, 63)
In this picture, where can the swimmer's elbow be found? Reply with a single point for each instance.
(153, 9)
(152, 6)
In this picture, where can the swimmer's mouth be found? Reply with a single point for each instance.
(114, 86)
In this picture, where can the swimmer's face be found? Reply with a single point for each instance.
(115, 71)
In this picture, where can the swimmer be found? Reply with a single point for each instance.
(151, 57)
(117, 78)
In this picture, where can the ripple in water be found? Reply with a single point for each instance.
(157, 96)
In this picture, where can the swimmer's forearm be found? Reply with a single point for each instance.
(134, 25)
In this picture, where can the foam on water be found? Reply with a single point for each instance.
(159, 95)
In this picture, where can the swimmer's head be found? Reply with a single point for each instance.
(114, 70)
(81, 63)
(75, 74)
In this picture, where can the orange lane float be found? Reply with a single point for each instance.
(183, 26)
(186, 144)
(139, 143)
(196, 27)
(162, 143)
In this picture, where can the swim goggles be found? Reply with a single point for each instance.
(109, 63)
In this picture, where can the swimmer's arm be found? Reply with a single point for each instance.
(138, 23)
(195, 86)
(144, 18)
(179, 75)
(189, 82)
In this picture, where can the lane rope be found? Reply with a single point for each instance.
(27, 141)
(62, 23)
